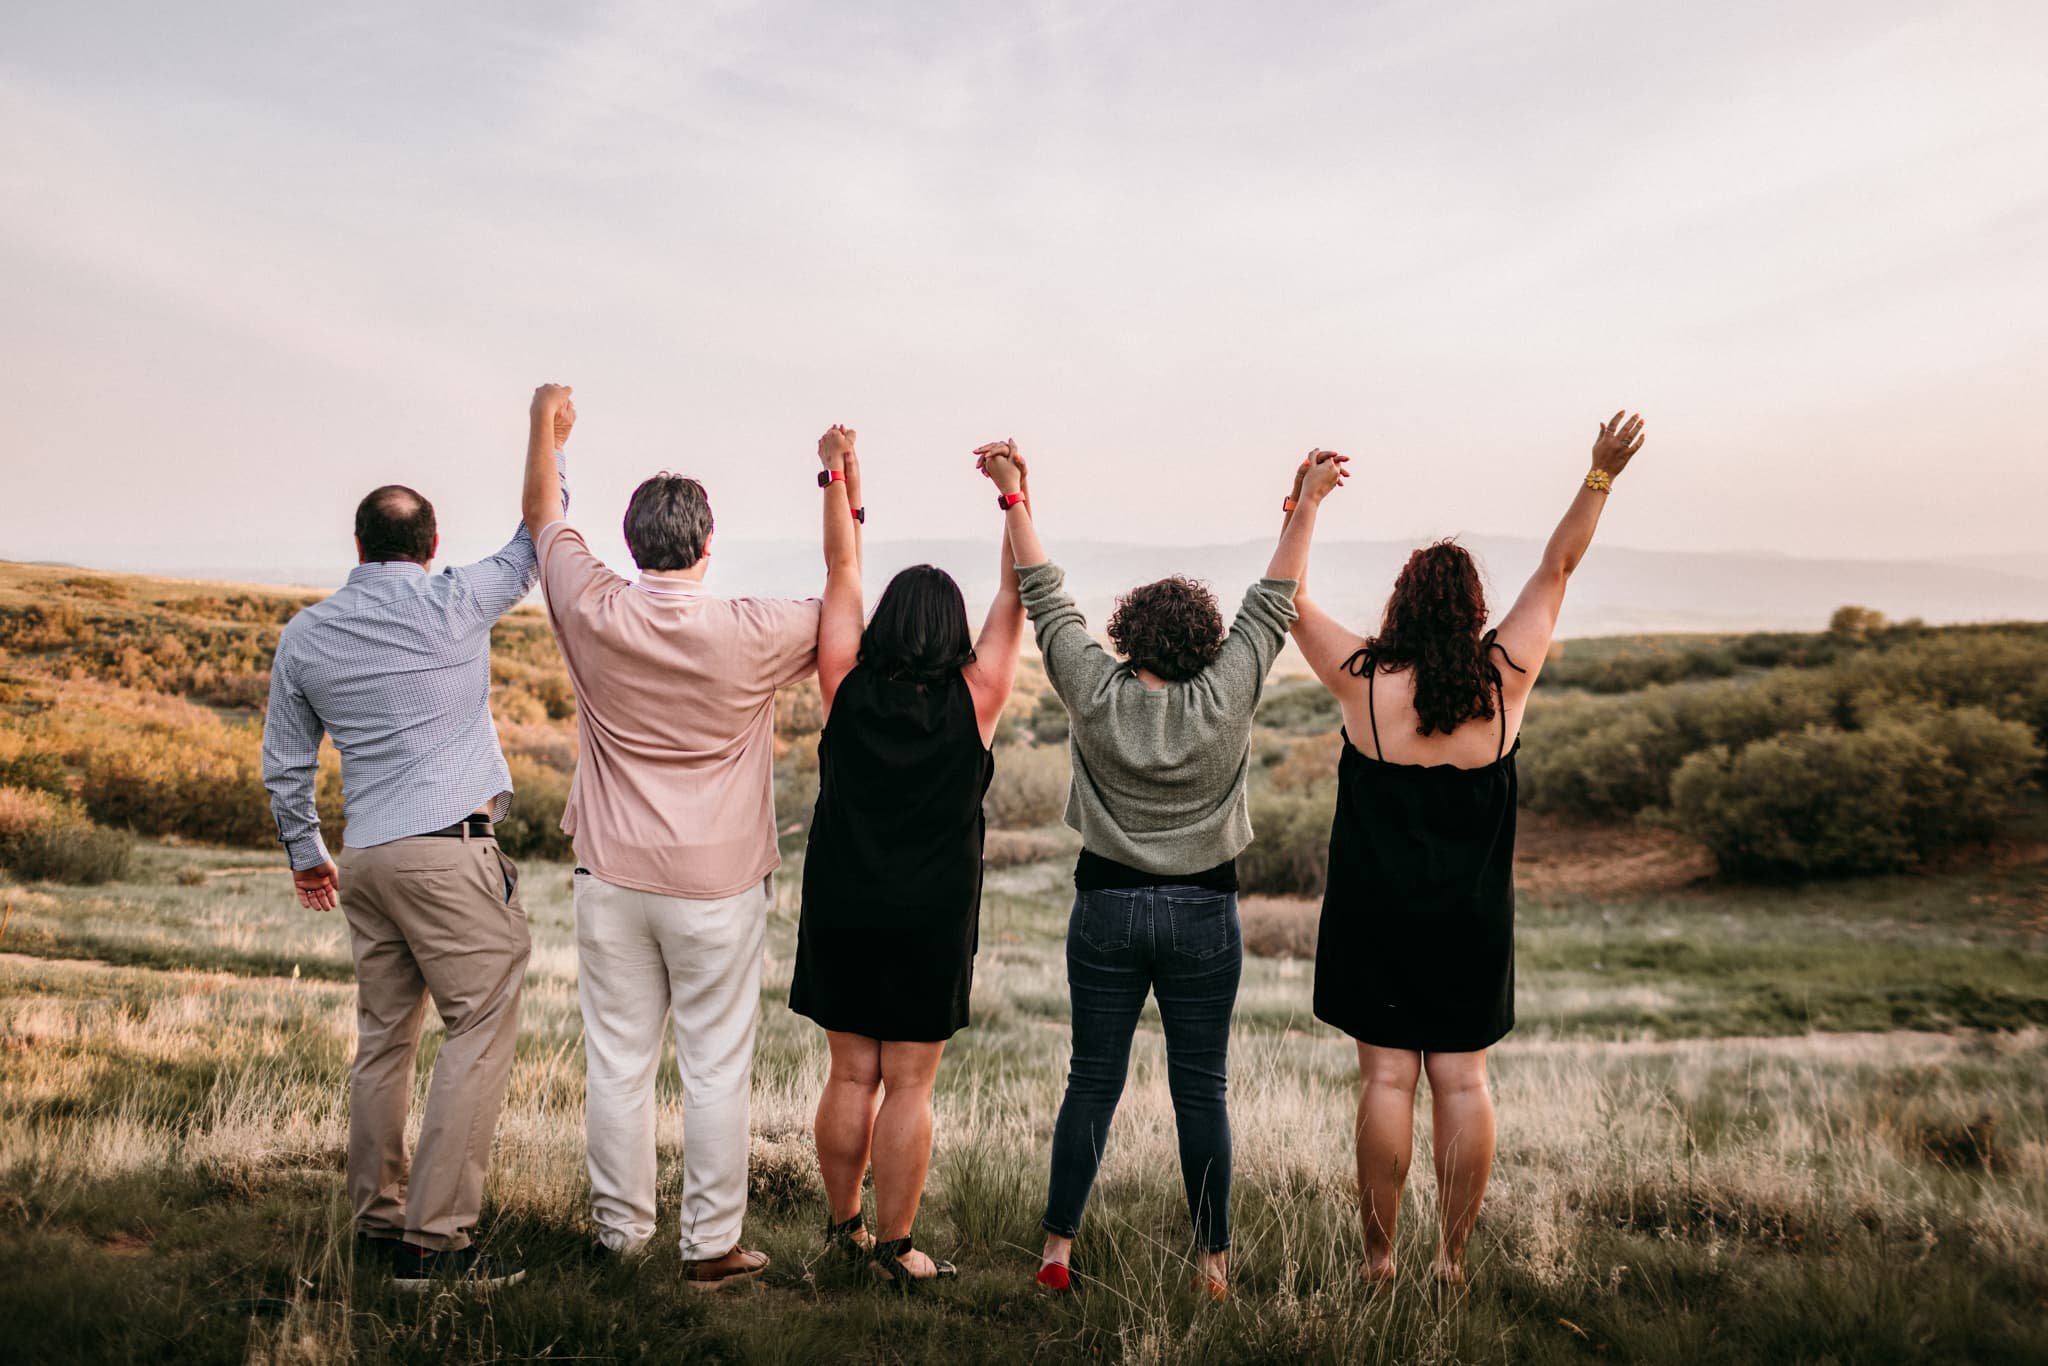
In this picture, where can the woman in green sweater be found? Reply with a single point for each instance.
(1161, 742)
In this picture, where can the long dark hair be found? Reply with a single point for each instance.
(1432, 626)
(919, 631)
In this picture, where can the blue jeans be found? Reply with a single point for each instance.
(1184, 944)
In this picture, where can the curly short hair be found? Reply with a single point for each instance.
(1172, 628)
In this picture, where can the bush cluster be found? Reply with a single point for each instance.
(44, 839)
(533, 827)
(1029, 788)
(1823, 802)
(1613, 757)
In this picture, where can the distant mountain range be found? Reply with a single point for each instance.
(1617, 590)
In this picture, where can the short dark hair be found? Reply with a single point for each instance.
(395, 523)
(1171, 627)
(668, 522)
(919, 631)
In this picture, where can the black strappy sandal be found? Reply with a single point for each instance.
(887, 1259)
(850, 1240)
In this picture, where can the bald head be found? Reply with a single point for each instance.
(395, 523)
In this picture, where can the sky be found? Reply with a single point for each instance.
(257, 259)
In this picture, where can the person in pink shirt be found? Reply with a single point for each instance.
(672, 814)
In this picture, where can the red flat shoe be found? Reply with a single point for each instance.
(1054, 1276)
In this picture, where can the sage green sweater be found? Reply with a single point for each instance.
(1159, 774)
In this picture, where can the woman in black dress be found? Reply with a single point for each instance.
(1415, 958)
(892, 878)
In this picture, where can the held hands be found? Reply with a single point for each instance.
(835, 449)
(553, 406)
(1617, 443)
(319, 888)
(1320, 472)
(1000, 461)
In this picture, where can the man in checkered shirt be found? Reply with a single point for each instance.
(396, 667)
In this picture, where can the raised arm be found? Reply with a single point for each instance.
(291, 767)
(495, 584)
(1075, 662)
(1325, 642)
(1526, 630)
(544, 498)
(994, 671)
(839, 621)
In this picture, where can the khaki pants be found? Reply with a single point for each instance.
(430, 917)
(646, 965)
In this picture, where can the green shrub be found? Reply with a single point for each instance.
(533, 827)
(1302, 707)
(1290, 850)
(27, 762)
(796, 796)
(1049, 719)
(1827, 803)
(1611, 757)
(207, 787)
(1012, 848)
(46, 840)
(1030, 787)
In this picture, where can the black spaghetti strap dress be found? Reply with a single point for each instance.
(891, 911)
(1416, 949)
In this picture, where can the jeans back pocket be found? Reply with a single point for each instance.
(1104, 917)
(1203, 924)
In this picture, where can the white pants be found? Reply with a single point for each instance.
(643, 959)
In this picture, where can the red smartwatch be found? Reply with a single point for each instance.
(1006, 501)
(827, 478)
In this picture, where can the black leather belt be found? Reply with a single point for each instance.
(475, 827)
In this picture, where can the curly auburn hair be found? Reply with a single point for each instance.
(1432, 625)
(1172, 627)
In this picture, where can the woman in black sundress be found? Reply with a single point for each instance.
(1415, 958)
(892, 877)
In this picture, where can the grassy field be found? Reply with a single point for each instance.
(1736, 1126)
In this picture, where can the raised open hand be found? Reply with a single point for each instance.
(835, 447)
(552, 404)
(1618, 442)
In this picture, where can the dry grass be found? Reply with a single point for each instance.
(171, 1143)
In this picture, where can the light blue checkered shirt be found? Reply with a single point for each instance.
(396, 666)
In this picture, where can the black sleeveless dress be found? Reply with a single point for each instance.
(892, 880)
(1416, 949)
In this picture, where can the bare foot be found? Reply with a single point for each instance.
(1377, 1270)
(1214, 1277)
(1448, 1273)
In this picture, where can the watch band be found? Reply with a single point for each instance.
(827, 478)
(1006, 501)
(860, 514)
(1288, 504)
